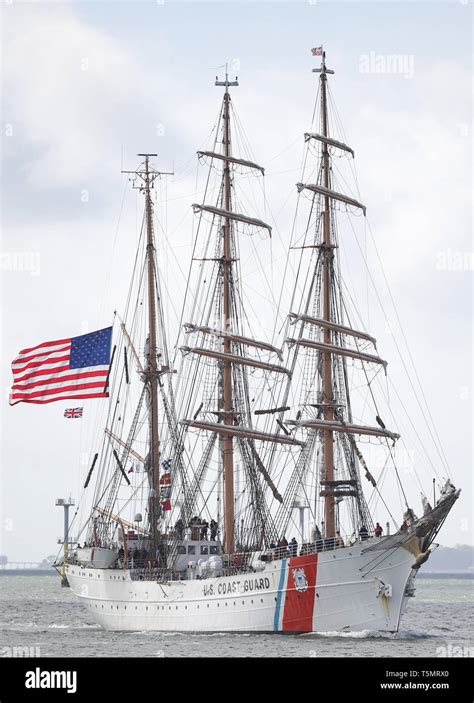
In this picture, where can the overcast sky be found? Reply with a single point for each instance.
(86, 86)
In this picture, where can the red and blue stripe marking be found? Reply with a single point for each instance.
(296, 595)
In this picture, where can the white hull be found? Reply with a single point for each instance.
(341, 590)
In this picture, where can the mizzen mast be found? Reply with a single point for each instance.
(147, 176)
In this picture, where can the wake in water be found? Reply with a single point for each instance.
(369, 634)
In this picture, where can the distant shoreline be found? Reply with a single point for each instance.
(28, 572)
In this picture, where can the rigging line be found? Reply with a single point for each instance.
(111, 255)
(380, 558)
(194, 248)
(108, 283)
(398, 348)
(352, 310)
(110, 408)
(339, 178)
(293, 229)
(299, 267)
(373, 500)
(414, 429)
(436, 439)
(170, 249)
(279, 173)
(377, 491)
(115, 407)
(186, 196)
(191, 159)
(284, 150)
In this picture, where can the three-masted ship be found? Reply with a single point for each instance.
(246, 435)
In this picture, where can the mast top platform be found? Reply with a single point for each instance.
(226, 83)
(146, 173)
(323, 68)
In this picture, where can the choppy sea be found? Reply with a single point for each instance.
(35, 612)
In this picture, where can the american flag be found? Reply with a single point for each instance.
(73, 412)
(66, 368)
(317, 51)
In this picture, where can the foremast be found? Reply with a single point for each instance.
(227, 439)
(327, 252)
(326, 333)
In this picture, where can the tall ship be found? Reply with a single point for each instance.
(230, 488)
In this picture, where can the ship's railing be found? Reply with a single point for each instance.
(327, 544)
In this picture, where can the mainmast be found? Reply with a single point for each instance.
(227, 439)
(327, 254)
(234, 425)
(147, 177)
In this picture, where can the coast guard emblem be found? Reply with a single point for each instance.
(300, 580)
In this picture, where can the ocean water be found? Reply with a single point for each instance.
(35, 612)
